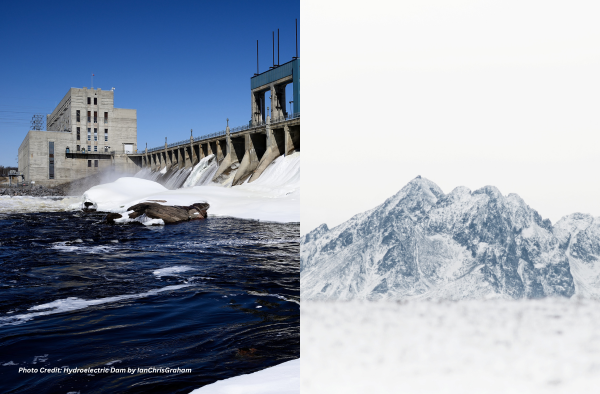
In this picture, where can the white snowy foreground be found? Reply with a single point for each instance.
(275, 196)
(280, 379)
(493, 346)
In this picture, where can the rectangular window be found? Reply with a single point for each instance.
(78, 134)
(95, 163)
(89, 116)
(105, 117)
(89, 134)
(105, 134)
(95, 117)
(95, 101)
(89, 100)
(106, 149)
(78, 148)
(95, 148)
(50, 160)
(89, 163)
(78, 116)
(89, 148)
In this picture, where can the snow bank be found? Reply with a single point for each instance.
(275, 196)
(280, 379)
(495, 346)
(118, 195)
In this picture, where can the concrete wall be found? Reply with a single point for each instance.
(34, 159)
(121, 125)
(124, 131)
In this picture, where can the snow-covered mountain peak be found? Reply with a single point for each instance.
(422, 243)
(417, 197)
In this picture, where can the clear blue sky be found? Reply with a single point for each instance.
(182, 65)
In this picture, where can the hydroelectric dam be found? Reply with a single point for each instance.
(247, 149)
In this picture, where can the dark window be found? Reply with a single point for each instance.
(89, 163)
(95, 117)
(89, 116)
(89, 134)
(78, 148)
(95, 148)
(95, 163)
(78, 116)
(105, 134)
(89, 100)
(95, 134)
(89, 148)
(95, 101)
(78, 134)
(50, 160)
(105, 117)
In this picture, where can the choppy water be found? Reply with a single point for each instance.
(218, 296)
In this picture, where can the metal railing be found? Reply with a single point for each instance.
(171, 145)
(233, 130)
(186, 142)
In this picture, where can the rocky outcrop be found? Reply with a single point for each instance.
(168, 214)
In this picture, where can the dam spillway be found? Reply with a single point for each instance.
(246, 150)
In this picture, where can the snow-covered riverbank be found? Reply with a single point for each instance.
(275, 196)
(280, 379)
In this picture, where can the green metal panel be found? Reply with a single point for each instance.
(290, 68)
(272, 75)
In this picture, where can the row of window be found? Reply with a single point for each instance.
(95, 163)
(89, 134)
(89, 148)
(89, 116)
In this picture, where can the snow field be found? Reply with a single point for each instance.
(494, 346)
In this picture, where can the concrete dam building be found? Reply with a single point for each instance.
(251, 148)
(85, 134)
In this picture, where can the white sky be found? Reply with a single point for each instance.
(503, 93)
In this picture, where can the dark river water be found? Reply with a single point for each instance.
(219, 297)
